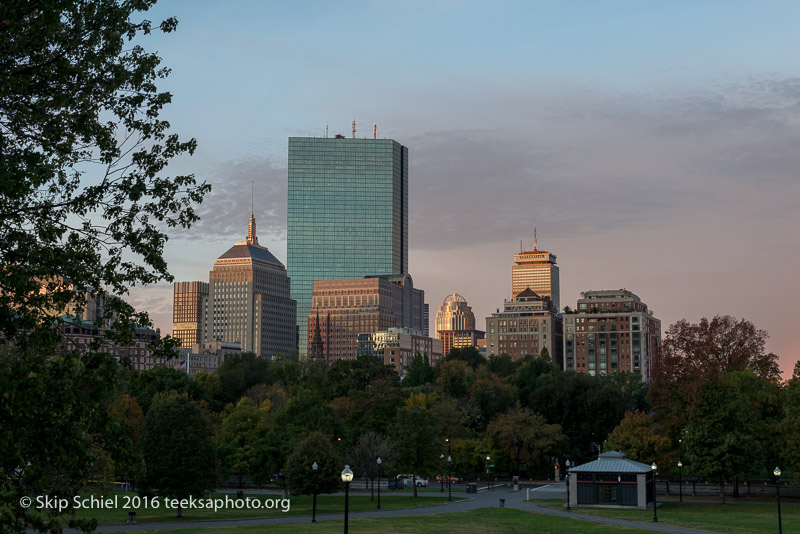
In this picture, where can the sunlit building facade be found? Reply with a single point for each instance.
(190, 300)
(526, 325)
(609, 331)
(455, 324)
(536, 270)
(347, 214)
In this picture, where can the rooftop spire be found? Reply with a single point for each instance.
(535, 244)
(251, 228)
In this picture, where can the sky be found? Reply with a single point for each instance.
(655, 143)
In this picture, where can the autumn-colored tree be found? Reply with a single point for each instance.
(691, 354)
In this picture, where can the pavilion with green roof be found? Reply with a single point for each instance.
(612, 480)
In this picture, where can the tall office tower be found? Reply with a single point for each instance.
(188, 312)
(344, 309)
(248, 299)
(536, 270)
(348, 213)
(527, 324)
(455, 324)
(611, 331)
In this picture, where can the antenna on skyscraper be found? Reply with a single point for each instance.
(535, 246)
(354, 128)
(520, 245)
(252, 194)
(374, 130)
(326, 131)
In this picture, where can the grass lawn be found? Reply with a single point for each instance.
(731, 517)
(299, 505)
(485, 521)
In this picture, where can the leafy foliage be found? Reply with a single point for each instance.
(82, 152)
(179, 453)
(301, 479)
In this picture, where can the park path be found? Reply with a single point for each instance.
(483, 499)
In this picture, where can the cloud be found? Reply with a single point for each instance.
(225, 210)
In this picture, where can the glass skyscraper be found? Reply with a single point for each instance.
(348, 213)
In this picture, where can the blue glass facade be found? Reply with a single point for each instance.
(348, 213)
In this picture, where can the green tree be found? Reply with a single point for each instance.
(314, 447)
(364, 453)
(469, 355)
(239, 436)
(524, 436)
(416, 441)
(419, 372)
(502, 365)
(455, 378)
(82, 155)
(143, 386)
(239, 372)
(178, 448)
(789, 430)
(727, 426)
(55, 415)
(491, 394)
(639, 438)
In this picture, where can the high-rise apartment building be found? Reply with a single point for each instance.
(347, 214)
(188, 312)
(611, 331)
(343, 309)
(536, 270)
(455, 324)
(527, 324)
(249, 299)
(398, 346)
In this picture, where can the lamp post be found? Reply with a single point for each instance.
(488, 478)
(441, 479)
(314, 468)
(347, 477)
(568, 473)
(777, 474)
(655, 515)
(680, 480)
(449, 481)
(379, 482)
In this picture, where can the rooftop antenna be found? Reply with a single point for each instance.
(354, 128)
(535, 246)
(252, 189)
(374, 130)
(326, 131)
(520, 245)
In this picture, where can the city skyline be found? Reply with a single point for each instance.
(656, 149)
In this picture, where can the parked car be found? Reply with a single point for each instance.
(405, 481)
(446, 480)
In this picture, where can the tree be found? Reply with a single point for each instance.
(469, 355)
(82, 152)
(238, 437)
(55, 415)
(491, 394)
(143, 386)
(419, 372)
(239, 372)
(524, 436)
(455, 378)
(692, 354)
(790, 425)
(179, 453)
(364, 454)
(314, 447)
(730, 419)
(416, 440)
(638, 437)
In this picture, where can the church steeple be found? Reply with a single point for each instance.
(251, 228)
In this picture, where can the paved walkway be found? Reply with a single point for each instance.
(483, 499)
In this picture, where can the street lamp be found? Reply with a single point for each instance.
(777, 474)
(488, 478)
(347, 477)
(314, 468)
(379, 482)
(449, 481)
(441, 480)
(655, 515)
(680, 479)
(568, 507)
